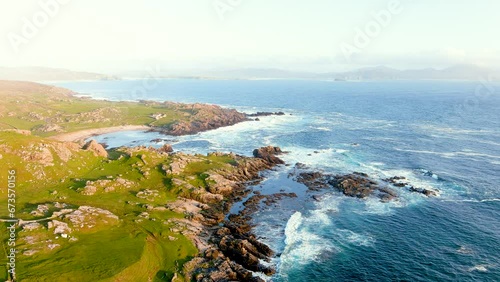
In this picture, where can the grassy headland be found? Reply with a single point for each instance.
(49, 111)
(130, 214)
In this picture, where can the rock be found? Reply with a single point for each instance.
(232, 252)
(96, 148)
(106, 186)
(426, 192)
(31, 226)
(148, 194)
(167, 148)
(53, 246)
(89, 190)
(203, 117)
(41, 210)
(49, 128)
(65, 150)
(40, 154)
(86, 217)
(264, 114)
(30, 252)
(269, 154)
(356, 184)
(59, 227)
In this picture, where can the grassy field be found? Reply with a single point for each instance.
(135, 248)
(131, 234)
(48, 110)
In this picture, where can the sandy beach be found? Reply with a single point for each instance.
(84, 134)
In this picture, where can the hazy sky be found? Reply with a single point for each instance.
(117, 35)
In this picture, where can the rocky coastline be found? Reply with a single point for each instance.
(202, 117)
(229, 250)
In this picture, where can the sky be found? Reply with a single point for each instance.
(316, 35)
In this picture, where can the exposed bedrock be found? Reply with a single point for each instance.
(265, 114)
(269, 154)
(233, 251)
(203, 117)
(357, 184)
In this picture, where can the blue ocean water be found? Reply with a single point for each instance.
(442, 135)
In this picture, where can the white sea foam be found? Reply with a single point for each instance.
(323, 158)
(451, 130)
(479, 267)
(329, 203)
(465, 250)
(302, 245)
(376, 164)
(373, 205)
(323, 128)
(356, 239)
(472, 200)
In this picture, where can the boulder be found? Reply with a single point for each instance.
(167, 148)
(96, 148)
(269, 154)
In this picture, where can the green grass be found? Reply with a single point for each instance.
(133, 250)
(94, 257)
(30, 111)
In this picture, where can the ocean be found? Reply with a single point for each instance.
(443, 135)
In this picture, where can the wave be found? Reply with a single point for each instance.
(302, 246)
(356, 239)
(471, 200)
(464, 250)
(322, 128)
(469, 154)
(479, 267)
(451, 130)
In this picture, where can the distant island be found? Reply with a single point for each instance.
(457, 72)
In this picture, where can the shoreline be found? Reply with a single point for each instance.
(81, 135)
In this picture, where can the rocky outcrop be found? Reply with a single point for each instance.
(49, 128)
(356, 184)
(265, 114)
(105, 186)
(40, 154)
(87, 218)
(167, 148)
(235, 249)
(202, 117)
(65, 150)
(269, 154)
(96, 148)
(64, 225)
(401, 181)
(359, 185)
(230, 250)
